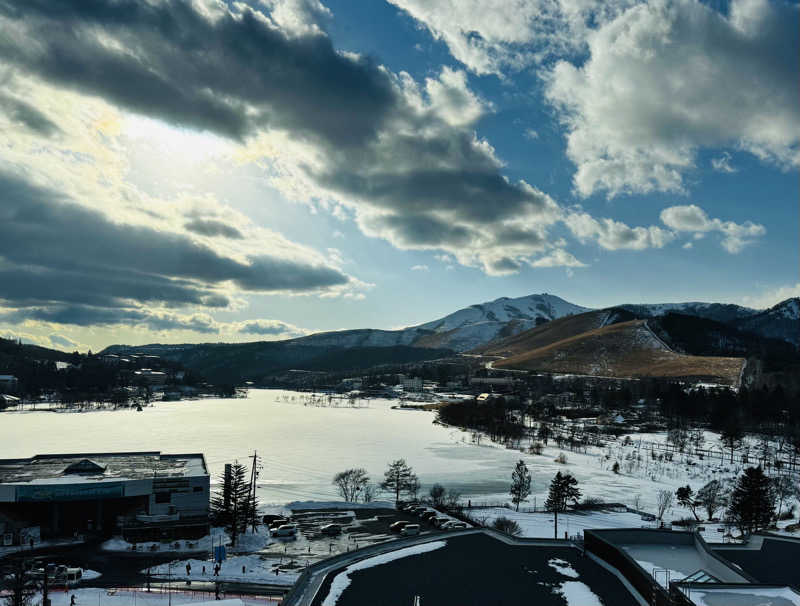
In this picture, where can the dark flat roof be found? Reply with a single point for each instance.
(776, 563)
(116, 466)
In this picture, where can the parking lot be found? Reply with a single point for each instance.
(359, 528)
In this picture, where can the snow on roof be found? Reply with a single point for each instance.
(100, 467)
(744, 596)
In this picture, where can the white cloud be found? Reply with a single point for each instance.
(687, 245)
(497, 36)
(666, 78)
(692, 218)
(531, 134)
(772, 296)
(420, 268)
(615, 235)
(557, 258)
(722, 164)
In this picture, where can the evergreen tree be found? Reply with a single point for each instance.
(752, 506)
(400, 478)
(231, 505)
(520, 483)
(563, 488)
(732, 434)
(686, 498)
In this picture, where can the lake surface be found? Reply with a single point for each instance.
(301, 447)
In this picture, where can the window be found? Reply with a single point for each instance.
(163, 497)
(197, 489)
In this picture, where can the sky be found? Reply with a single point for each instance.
(202, 171)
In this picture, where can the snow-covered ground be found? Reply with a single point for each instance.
(217, 537)
(540, 525)
(91, 596)
(244, 568)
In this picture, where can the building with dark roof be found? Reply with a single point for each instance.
(139, 495)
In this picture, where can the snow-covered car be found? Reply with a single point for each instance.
(409, 530)
(454, 525)
(285, 530)
(278, 522)
(398, 526)
(331, 529)
(439, 520)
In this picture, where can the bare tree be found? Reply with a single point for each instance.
(437, 494)
(663, 502)
(782, 488)
(711, 497)
(19, 586)
(351, 483)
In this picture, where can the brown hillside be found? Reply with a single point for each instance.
(627, 349)
(547, 334)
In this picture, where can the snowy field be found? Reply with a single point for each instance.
(302, 447)
(91, 596)
(540, 525)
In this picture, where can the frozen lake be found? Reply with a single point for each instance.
(302, 447)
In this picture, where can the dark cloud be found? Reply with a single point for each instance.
(269, 327)
(24, 113)
(386, 146)
(178, 65)
(71, 264)
(213, 228)
(62, 341)
(82, 315)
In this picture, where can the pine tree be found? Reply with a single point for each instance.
(400, 478)
(563, 488)
(231, 504)
(752, 506)
(686, 498)
(732, 435)
(520, 483)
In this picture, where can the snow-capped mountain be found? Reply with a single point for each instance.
(461, 330)
(727, 313)
(781, 321)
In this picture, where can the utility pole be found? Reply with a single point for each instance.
(251, 493)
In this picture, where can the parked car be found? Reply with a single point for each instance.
(285, 530)
(429, 516)
(417, 510)
(331, 529)
(269, 518)
(454, 525)
(277, 523)
(398, 526)
(439, 520)
(409, 530)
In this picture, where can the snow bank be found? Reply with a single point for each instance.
(295, 505)
(578, 594)
(762, 596)
(342, 580)
(90, 575)
(256, 570)
(563, 567)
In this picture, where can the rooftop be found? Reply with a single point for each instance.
(100, 467)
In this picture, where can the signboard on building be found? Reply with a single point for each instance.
(69, 492)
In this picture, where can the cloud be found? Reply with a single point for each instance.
(558, 258)
(62, 341)
(722, 164)
(498, 36)
(213, 228)
(21, 112)
(335, 128)
(66, 263)
(692, 218)
(615, 235)
(772, 296)
(270, 328)
(665, 79)
(531, 134)
(420, 268)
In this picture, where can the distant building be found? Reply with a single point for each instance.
(140, 495)
(151, 377)
(413, 385)
(497, 381)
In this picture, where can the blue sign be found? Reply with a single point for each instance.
(69, 492)
(219, 554)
